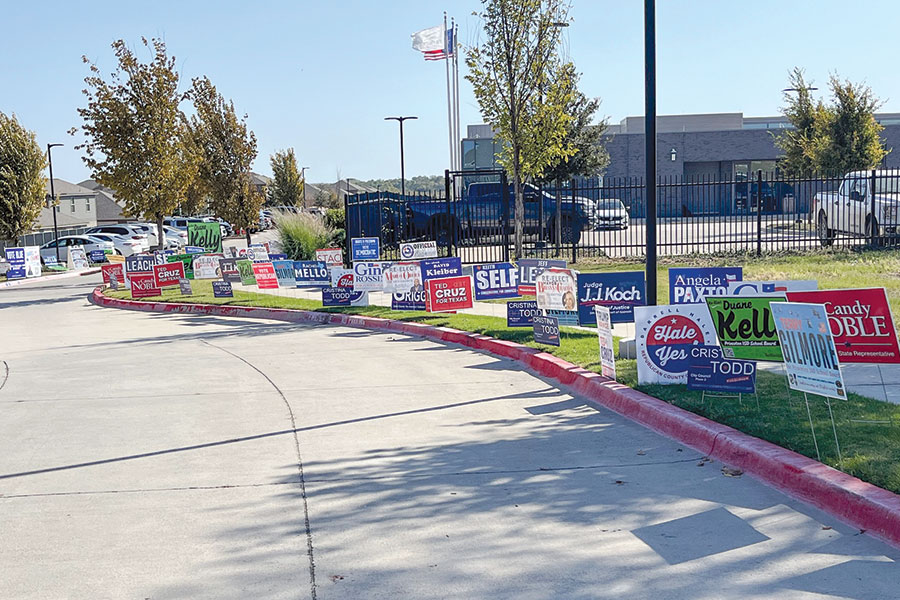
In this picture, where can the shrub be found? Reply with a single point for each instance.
(301, 234)
(334, 218)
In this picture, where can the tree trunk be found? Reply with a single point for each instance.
(247, 232)
(160, 233)
(520, 202)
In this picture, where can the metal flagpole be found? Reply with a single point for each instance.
(456, 90)
(449, 106)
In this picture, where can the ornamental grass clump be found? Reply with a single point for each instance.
(301, 234)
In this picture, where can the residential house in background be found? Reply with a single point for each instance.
(77, 207)
(108, 208)
(260, 182)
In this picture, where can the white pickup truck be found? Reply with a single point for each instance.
(849, 210)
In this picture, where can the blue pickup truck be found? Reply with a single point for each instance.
(481, 211)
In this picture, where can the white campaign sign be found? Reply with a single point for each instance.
(403, 277)
(341, 277)
(206, 266)
(770, 288)
(33, 261)
(417, 250)
(604, 332)
(557, 289)
(333, 257)
(368, 276)
(77, 259)
(663, 337)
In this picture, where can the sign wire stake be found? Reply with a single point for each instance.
(834, 429)
(813, 429)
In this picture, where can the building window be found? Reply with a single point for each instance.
(87, 204)
(72, 205)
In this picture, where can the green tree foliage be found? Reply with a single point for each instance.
(417, 184)
(287, 184)
(135, 132)
(835, 138)
(523, 88)
(226, 148)
(22, 180)
(585, 137)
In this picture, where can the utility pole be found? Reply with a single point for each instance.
(650, 143)
(53, 200)
(402, 170)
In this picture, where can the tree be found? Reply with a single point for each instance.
(135, 133)
(22, 180)
(226, 148)
(287, 185)
(836, 138)
(522, 88)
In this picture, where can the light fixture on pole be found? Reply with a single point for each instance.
(53, 200)
(402, 169)
(673, 154)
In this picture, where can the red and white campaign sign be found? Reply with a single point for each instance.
(448, 294)
(341, 277)
(860, 322)
(265, 276)
(168, 274)
(117, 269)
(143, 285)
(333, 257)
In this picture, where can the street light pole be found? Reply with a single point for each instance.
(53, 200)
(650, 142)
(402, 171)
(303, 175)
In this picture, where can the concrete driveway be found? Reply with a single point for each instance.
(166, 456)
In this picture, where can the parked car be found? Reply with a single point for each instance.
(126, 231)
(124, 246)
(850, 209)
(148, 229)
(87, 241)
(180, 223)
(611, 214)
(177, 235)
(776, 197)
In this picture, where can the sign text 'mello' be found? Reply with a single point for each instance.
(311, 273)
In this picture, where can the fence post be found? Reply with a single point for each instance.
(874, 220)
(504, 194)
(557, 235)
(574, 223)
(448, 220)
(758, 212)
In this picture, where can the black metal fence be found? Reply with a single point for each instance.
(42, 237)
(474, 216)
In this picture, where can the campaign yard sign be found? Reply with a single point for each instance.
(605, 337)
(284, 272)
(530, 268)
(810, 358)
(664, 336)
(140, 263)
(368, 276)
(228, 268)
(186, 259)
(402, 277)
(277, 256)
(770, 288)
(245, 268)
(206, 266)
(116, 270)
(184, 286)
(16, 259)
(365, 249)
(521, 313)
(143, 285)
(546, 330)
(168, 274)
(33, 261)
(860, 321)
(311, 274)
(448, 294)
(411, 300)
(333, 296)
(194, 249)
(206, 235)
(222, 289)
(333, 257)
(710, 371)
(341, 277)
(619, 292)
(745, 326)
(264, 273)
(97, 256)
(497, 280)
(435, 268)
(418, 250)
(77, 258)
(689, 285)
(565, 317)
(557, 289)
(257, 253)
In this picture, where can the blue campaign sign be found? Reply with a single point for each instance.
(521, 313)
(499, 280)
(311, 273)
(710, 371)
(530, 268)
(222, 289)
(332, 296)
(565, 317)
(692, 285)
(277, 256)
(438, 268)
(620, 292)
(140, 263)
(546, 330)
(194, 249)
(284, 272)
(16, 259)
(408, 300)
(97, 256)
(364, 248)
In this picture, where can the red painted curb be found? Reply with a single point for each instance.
(860, 504)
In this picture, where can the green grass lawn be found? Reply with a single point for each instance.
(871, 451)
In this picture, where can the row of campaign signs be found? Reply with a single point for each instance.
(25, 261)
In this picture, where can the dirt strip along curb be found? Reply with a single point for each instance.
(861, 504)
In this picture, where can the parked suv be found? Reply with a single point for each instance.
(126, 231)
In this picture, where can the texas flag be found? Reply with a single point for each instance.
(435, 43)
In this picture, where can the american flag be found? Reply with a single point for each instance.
(435, 43)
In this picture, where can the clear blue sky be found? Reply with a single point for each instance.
(321, 76)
